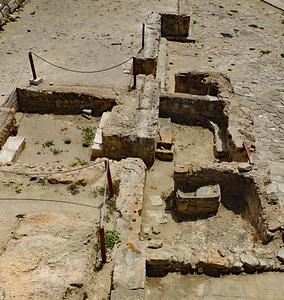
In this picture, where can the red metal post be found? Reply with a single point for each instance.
(109, 179)
(247, 150)
(32, 66)
(134, 73)
(102, 243)
(143, 35)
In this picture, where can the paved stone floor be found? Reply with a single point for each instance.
(268, 286)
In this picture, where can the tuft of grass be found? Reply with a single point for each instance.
(263, 52)
(67, 141)
(111, 239)
(225, 34)
(251, 49)
(73, 188)
(48, 144)
(282, 55)
(194, 22)
(78, 161)
(282, 22)
(56, 151)
(234, 11)
(88, 136)
(253, 26)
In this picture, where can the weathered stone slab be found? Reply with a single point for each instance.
(129, 269)
(12, 149)
(97, 147)
(162, 63)
(13, 4)
(146, 61)
(5, 11)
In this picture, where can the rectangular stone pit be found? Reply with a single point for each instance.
(203, 202)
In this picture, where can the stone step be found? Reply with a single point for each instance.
(12, 149)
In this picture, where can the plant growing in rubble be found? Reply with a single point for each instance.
(67, 141)
(73, 188)
(88, 136)
(112, 238)
(48, 144)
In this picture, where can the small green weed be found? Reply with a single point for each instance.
(263, 52)
(56, 151)
(112, 238)
(78, 161)
(73, 188)
(67, 141)
(88, 136)
(48, 144)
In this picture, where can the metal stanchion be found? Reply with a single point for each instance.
(102, 243)
(36, 80)
(134, 74)
(109, 179)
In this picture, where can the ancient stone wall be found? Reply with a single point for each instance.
(8, 128)
(65, 100)
(243, 191)
(8, 7)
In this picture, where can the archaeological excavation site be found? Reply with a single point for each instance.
(141, 150)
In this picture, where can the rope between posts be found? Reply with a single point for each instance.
(48, 200)
(51, 173)
(80, 71)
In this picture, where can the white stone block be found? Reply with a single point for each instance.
(12, 149)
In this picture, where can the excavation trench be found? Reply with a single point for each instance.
(55, 125)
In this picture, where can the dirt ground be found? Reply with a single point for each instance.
(83, 35)
(54, 140)
(242, 39)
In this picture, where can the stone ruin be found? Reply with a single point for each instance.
(136, 127)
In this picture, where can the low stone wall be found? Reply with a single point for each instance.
(146, 61)
(129, 272)
(183, 108)
(8, 8)
(233, 125)
(8, 128)
(65, 100)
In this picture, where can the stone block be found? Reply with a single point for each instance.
(146, 61)
(13, 5)
(162, 63)
(204, 201)
(175, 25)
(12, 149)
(250, 263)
(280, 255)
(132, 132)
(97, 147)
(5, 11)
(129, 269)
